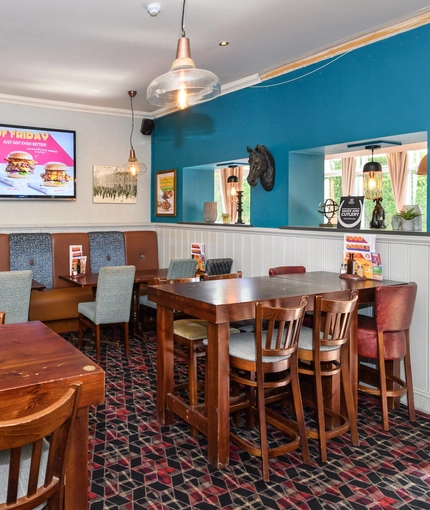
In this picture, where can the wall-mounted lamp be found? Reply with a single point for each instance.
(133, 167)
(422, 167)
(372, 177)
(235, 195)
(184, 85)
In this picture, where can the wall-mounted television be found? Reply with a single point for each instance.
(37, 163)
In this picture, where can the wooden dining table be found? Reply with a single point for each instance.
(221, 302)
(142, 276)
(37, 365)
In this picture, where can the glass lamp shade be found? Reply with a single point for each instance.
(232, 188)
(133, 167)
(184, 85)
(372, 180)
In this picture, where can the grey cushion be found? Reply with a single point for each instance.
(15, 289)
(32, 252)
(106, 249)
(306, 343)
(143, 300)
(23, 472)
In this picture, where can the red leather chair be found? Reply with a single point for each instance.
(286, 270)
(385, 337)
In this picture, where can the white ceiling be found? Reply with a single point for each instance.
(91, 52)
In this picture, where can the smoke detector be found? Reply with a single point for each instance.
(153, 9)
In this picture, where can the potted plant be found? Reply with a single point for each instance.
(408, 217)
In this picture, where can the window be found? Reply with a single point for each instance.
(246, 197)
(416, 185)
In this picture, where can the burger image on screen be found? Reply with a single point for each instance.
(55, 174)
(20, 165)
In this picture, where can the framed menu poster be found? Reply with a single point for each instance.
(165, 193)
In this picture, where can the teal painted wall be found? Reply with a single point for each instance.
(375, 91)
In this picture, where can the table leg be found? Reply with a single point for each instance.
(76, 495)
(134, 315)
(217, 394)
(165, 362)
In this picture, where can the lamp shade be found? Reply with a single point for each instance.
(422, 167)
(184, 85)
(372, 177)
(232, 188)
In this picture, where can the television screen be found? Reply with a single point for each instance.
(37, 163)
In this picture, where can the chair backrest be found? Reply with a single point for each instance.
(15, 289)
(106, 249)
(218, 266)
(114, 292)
(286, 270)
(182, 268)
(283, 329)
(332, 320)
(32, 470)
(394, 307)
(237, 274)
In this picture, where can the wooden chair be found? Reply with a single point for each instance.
(286, 270)
(15, 290)
(254, 359)
(323, 353)
(385, 338)
(34, 450)
(189, 335)
(227, 276)
(112, 304)
(2, 317)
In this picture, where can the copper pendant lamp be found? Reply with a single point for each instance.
(184, 85)
(133, 167)
(422, 167)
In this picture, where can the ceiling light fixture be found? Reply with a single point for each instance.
(133, 167)
(372, 177)
(184, 85)
(422, 167)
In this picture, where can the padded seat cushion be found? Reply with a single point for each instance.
(394, 341)
(88, 309)
(23, 472)
(194, 329)
(144, 301)
(306, 341)
(243, 347)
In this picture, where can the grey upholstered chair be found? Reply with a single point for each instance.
(112, 304)
(178, 268)
(218, 266)
(15, 289)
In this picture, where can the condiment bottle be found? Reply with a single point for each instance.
(342, 268)
(350, 264)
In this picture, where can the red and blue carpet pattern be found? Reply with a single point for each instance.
(135, 463)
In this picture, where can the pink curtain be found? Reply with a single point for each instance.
(349, 167)
(230, 207)
(398, 168)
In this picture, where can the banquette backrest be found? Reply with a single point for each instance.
(32, 251)
(61, 255)
(4, 252)
(106, 249)
(141, 249)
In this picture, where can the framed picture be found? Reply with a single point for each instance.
(111, 186)
(165, 193)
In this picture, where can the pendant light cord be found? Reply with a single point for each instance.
(183, 19)
(132, 123)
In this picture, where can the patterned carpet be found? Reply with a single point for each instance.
(135, 463)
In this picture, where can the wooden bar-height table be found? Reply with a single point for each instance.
(220, 302)
(37, 363)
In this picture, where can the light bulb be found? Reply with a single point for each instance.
(233, 191)
(371, 183)
(182, 96)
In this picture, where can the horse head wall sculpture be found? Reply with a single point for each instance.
(261, 165)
